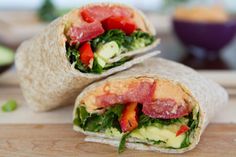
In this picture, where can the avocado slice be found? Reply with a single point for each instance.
(100, 60)
(108, 50)
(165, 134)
(6, 56)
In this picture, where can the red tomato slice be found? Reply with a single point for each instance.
(86, 53)
(85, 32)
(182, 129)
(100, 13)
(118, 22)
(86, 17)
(129, 120)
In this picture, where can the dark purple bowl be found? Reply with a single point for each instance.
(210, 37)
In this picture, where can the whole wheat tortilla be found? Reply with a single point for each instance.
(47, 78)
(210, 96)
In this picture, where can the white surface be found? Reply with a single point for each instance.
(23, 115)
(34, 4)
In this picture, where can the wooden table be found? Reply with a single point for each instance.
(49, 140)
(219, 140)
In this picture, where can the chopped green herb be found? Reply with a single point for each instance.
(95, 122)
(96, 67)
(9, 106)
(145, 120)
(112, 35)
(123, 142)
(139, 39)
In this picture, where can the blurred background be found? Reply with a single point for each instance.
(198, 33)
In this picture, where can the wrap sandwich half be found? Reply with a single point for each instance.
(158, 105)
(85, 45)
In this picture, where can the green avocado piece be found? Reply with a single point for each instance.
(108, 50)
(166, 134)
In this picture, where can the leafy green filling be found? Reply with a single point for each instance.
(192, 124)
(73, 56)
(144, 120)
(137, 39)
(110, 119)
(97, 123)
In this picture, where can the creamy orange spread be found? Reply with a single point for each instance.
(212, 14)
(164, 89)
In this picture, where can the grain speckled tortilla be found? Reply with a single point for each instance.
(47, 78)
(210, 97)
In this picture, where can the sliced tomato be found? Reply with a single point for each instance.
(86, 53)
(119, 22)
(129, 119)
(85, 33)
(100, 13)
(86, 16)
(182, 129)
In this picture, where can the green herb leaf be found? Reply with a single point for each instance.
(138, 39)
(9, 106)
(96, 67)
(193, 124)
(145, 120)
(112, 35)
(95, 122)
(186, 141)
(117, 109)
(73, 56)
(121, 147)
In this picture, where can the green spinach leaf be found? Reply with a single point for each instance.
(73, 56)
(121, 147)
(95, 122)
(145, 120)
(111, 35)
(96, 67)
(193, 124)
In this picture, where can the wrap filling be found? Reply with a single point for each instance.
(103, 34)
(140, 110)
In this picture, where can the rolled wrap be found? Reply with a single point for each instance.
(47, 78)
(210, 97)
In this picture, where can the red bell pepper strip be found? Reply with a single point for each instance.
(86, 53)
(129, 119)
(182, 129)
(119, 22)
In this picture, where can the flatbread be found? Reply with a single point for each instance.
(47, 78)
(210, 97)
